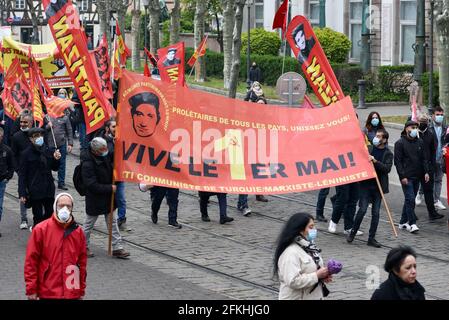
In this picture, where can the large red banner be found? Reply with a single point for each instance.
(171, 63)
(313, 61)
(172, 136)
(64, 23)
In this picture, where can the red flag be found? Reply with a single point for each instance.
(36, 103)
(56, 106)
(101, 58)
(199, 52)
(152, 58)
(171, 63)
(121, 45)
(146, 71)
(2, 68)
(280, 18)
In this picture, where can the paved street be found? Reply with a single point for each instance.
(234, 261)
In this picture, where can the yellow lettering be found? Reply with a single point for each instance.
(99, 116)
(91, 105)
(65, 42)
(86, 90)
(74, 52)
(60, 27)
(82, 74)
(314, 69)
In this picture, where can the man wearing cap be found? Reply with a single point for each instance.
(36, 183)
(55, 262)
(171, 59)
(411, 164)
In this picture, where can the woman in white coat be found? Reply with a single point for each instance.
(298, 263)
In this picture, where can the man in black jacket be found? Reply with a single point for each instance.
(96, 170)
(428, 136)
(19, 143)
(411, 164)
(6, 169)
(382, 159)
(36, 183)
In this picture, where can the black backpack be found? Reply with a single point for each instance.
(78, 180)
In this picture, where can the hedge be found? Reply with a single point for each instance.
(262, 42)
(336, 45)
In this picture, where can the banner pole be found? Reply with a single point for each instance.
(390, 218)
(283, 59)
(191, 70)
(51, 129)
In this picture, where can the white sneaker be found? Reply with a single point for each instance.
(418, 199)
(246, 212)
(23, 225)
(359, 233)
(332, 227)
(414, 228)
(405, 226)
(439, 205)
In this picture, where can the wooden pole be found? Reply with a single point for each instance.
(111, 215)
(191, 70)
(51, 129)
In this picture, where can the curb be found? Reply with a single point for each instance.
(393, 125)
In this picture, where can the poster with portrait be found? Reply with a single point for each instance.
(171, 63)
(171, 136)
(313, 61)
(101, 57)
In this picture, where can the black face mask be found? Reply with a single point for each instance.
(422, 126)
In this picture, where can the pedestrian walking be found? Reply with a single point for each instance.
(410, 160)
(55, 262)
(401, 283)
(96, 171)
(36, 183)
(321, 201)
(373, 123)
(298, 263)
(255, 74)
(222, 203)
(6, 169)
(382, 159)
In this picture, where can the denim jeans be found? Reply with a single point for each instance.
(438, 182)
(368, 194)
(158, 194)
(346, 204)
(2, 193)
(243, 202)
(23, 212)
(321, 201)
(120, 200)
(89, 224)
(408, 210)
(62, 162)
(84, 144)
(222, 202)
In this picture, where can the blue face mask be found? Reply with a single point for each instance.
(104, 154)
(375, 122)
(376, 141)
(39, 141)
(439, 119)
(414, 133)
(312, 235)
(62, 96)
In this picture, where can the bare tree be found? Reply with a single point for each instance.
(442, 26)
(135, 28)
(153, 26)
(175, 21)
(103, 10)
(121, 6)
(34, 19)
(228, 28)
(200, 12)
(237, 44)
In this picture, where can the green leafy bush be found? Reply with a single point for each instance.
(436, 88)
(395, 79)
(336, 45)
(262, 42)
(165, 33)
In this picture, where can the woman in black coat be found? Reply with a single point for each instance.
(401, 283)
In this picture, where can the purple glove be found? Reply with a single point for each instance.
(334, 266)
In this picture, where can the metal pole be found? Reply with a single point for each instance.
(145, 34)
(420, 51)
(288, 50)
(248, 49)
(432, 6)
(322, 13)
(365, 53)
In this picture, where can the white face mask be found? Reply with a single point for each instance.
(64, 214)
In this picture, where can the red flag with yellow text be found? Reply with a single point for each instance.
(36, 103)
(199, 52)
(171, 63)
(313, 61)
(169, 135)
(64, 23)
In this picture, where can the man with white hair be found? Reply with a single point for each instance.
(55, 262)
(96, 171)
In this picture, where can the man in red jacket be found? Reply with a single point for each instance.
(56, 259)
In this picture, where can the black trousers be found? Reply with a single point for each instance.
(158, 194)
(42, 209)
(204, 198)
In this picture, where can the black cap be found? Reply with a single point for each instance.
(172, 49)
(411, 123)
(35, 130)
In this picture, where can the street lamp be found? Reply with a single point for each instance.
(146, 3)
(41, 22)
(248, 49)
(432, 7)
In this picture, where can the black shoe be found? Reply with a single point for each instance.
(175, 225)
(205, 218)
(261, 198)
(120, 222)
(321, 218)
(350, 237)
(154, 217)
(226, 219)
(121, 254)
(436, 216)
(373, 243)
(62, 187)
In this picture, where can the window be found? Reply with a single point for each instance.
(355, 28)
(259, 13)
(314, 13)
(408, 31)
(19, 4)
(84, 5)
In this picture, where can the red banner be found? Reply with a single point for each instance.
(38, 113)
(199, 52)
(101, 57)
(172, 136)
(313, 61)
(171, 63)
(64, 23)
(16, 94)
